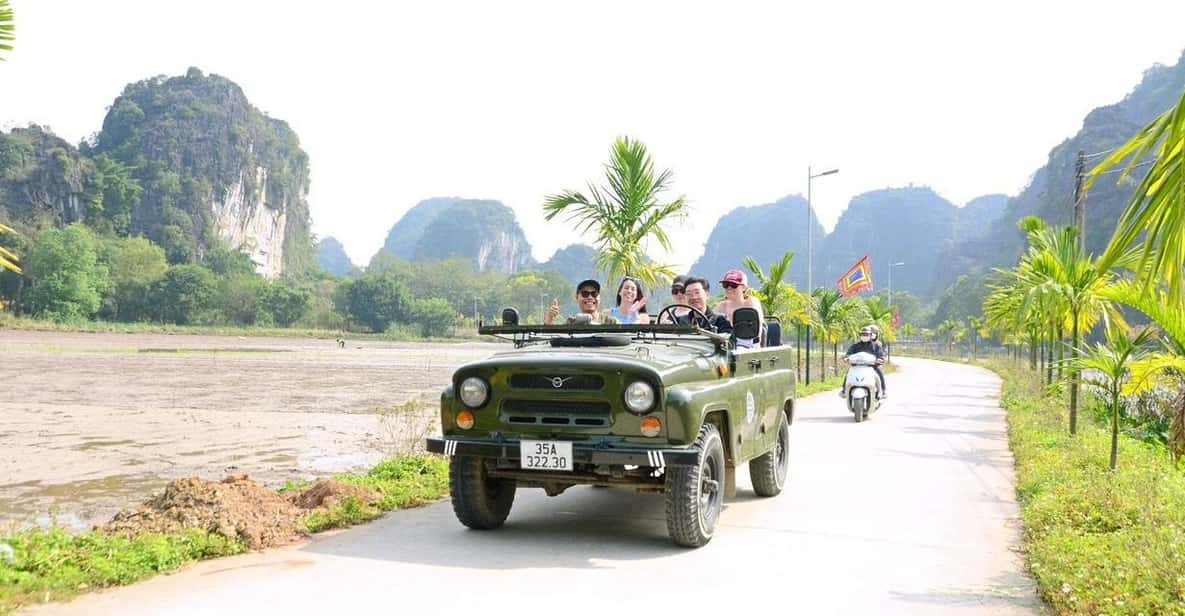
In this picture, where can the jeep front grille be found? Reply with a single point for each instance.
(560, 382)
(555, 407)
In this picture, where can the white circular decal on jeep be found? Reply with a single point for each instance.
(750, 407)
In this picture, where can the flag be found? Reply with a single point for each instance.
(896, 317)
(858, 279)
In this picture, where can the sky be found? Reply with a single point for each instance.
(397, 102)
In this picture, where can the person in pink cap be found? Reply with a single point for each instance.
(736, 295)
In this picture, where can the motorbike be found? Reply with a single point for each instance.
(862, 386)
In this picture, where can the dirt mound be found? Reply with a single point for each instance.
(328, 492)
(233, 507)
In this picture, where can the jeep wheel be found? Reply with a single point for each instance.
(768, 472)
(479, 502)
(695, 494)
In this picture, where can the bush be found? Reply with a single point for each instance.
(66, 276)
(436, 316)
(183, 294)
(1098, 542)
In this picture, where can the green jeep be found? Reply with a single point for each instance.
(655, 408)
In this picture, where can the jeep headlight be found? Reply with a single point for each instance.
(639, 397)
(474, 392)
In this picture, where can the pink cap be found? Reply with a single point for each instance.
(735, 276)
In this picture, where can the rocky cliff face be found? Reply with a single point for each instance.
(484, 231)
(43, 179)
(211, 166)
(575, 263)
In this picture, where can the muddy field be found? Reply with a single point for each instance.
(92, 423)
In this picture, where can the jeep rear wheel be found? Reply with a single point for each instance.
(768, 472)
(478, 501)
(695, 494)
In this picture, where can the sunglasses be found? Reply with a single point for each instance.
(729, 285)
(589, 293)
(676, 290)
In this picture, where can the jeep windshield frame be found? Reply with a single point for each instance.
(525, 334)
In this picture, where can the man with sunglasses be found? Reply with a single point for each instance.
(678, 296)
(588, 299)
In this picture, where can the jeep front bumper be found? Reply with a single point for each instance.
(581, 453)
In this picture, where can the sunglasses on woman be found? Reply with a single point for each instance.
(729, 285)
(676, 290)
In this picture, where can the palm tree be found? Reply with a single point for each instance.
(1156, 212)
(8, 259)
(778, 297)
(1057, 267)
(1165, 368)
(625, 214)
(828, 322)
(6, 28)
(1107, 366)
(880, 314)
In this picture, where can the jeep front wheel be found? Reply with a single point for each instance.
(479, 501)
(768, 472)
(695, 494)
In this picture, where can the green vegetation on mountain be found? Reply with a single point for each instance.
(403, 238)
(764, 232)
(575, 262)
(332, 257)
(482, 230)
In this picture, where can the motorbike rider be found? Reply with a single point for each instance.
(869, 344)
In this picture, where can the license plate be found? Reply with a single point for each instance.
(546, 455)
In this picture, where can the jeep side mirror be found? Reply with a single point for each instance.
(509, 316)
(746, 325)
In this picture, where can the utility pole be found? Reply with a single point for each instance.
(1080, 200)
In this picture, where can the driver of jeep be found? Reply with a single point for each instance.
(696, 291)
(588, 299)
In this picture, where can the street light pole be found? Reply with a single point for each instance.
(810, 258)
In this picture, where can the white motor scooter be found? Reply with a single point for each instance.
(862, 385)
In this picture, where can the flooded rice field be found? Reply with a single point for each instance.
(93, 423)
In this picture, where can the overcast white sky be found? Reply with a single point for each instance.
(398, 102)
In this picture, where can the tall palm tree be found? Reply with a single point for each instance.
(7, 29)
(1156, 212)
(1057, 267)
(624, 214)
(880, 314)
(1107, 366)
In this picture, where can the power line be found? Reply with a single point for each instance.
(1135, 166)
(1097, 154)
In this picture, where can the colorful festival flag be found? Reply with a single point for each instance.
(858, 279)
(896, 317)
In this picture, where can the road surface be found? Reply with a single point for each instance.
(912, 512)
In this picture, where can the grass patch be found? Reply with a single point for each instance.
(402, 482)
(54, 565)
(10, 321)
(1098, 542)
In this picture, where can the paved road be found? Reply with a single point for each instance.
(912, 512)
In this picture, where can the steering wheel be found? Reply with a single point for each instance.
(671, 309)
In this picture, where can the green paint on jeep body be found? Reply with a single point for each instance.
(538, 391)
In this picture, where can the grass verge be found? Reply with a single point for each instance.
(53, 564)
(1097, 542)
(8, 321)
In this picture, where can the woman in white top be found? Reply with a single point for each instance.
(736, 287)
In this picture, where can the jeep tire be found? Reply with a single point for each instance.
(695, 494)
(478, 501)
(769, 471)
